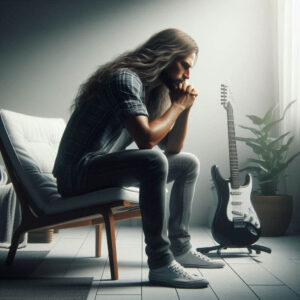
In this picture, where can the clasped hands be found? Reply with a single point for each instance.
(184, 94)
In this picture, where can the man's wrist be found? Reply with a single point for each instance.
(179, 107)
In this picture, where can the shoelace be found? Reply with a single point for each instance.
(180, 270)
(200, 255)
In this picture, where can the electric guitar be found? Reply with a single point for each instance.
(235, 222)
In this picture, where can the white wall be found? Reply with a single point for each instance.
(49, 47)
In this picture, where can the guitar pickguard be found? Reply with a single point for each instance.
(239, 204)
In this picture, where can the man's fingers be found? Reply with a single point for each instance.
(189, 89)
(181, 87)
(186, 87)
(194, 92)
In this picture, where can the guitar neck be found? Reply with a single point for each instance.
(233, 157)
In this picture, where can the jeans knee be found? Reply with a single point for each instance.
(192, 163)
(157, 164)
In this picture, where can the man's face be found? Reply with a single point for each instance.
(179, 71)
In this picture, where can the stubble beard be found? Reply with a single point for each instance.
(170, 82)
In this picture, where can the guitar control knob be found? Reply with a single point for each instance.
(252, 230)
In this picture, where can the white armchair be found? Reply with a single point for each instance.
(29, 146)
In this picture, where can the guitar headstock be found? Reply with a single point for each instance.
(224, 95)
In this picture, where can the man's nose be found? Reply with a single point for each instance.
(186, 75)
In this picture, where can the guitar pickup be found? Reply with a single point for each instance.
(235, 193)
(236, 202)
(238, 213)
(239, 223)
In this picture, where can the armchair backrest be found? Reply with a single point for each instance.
(30, 145)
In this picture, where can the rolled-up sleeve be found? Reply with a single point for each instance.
(127, 89)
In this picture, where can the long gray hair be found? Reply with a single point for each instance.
(148, 60)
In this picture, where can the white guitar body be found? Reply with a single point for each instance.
(240, 206)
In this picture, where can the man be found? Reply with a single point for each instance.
(141, 96)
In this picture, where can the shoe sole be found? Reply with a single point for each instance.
(201, 266)
(198, 285)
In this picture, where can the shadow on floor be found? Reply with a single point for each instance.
(24, 264)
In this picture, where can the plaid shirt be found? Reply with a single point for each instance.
(98, 124)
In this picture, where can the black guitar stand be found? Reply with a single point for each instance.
(256, 248)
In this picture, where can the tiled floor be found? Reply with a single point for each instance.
(264, 276)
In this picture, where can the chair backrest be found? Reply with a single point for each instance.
(30, 145)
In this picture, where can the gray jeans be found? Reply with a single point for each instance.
(150, 170)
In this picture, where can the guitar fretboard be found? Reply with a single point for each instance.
(233, 157)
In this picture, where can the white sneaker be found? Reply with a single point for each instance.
(174, 275)
(195, 259)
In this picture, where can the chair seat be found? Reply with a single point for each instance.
(104, 196)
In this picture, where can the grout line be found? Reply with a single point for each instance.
(79, 248)
(253, 258)
(93, 290)
(243, 281)
(283, 283)
(257, 284)
(210, 286)
(227, 263)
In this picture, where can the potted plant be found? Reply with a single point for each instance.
(273, 210)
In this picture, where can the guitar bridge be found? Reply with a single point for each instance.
(239, 223)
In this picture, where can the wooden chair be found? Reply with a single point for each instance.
(29, 146)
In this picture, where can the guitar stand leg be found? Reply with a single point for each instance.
(208, 249)
(259, 248)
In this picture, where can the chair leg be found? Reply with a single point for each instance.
(98, 239)
(13, 247)
(111, 243)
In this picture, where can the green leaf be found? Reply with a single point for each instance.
(255, 119)
(251, 169)
(268, 127)
(275, 141)
(268, 116)
(292, 158)
(268, 180)
(260, 169)
(285, 147)
(278, 170)
(262, 164)
(242, 139)
(253, 130)
(288, 106)
(256, 148)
